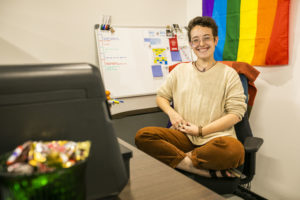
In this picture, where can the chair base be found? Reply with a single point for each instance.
(247, 194)
(224, 186)
(218, 185)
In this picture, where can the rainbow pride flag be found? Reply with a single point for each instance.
(252, 31)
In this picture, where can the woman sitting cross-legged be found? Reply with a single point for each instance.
(208, 100)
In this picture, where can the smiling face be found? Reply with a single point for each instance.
(203, 42)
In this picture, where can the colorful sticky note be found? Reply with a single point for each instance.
(157, 71)
(175, 55)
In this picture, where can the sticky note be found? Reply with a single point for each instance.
(175, 55)
(157, 71)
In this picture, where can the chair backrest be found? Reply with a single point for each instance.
(244, 81)
(242, 128)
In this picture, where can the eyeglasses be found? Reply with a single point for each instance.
(205, 39)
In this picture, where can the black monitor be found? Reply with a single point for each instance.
(62, 102)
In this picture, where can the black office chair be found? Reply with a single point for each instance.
(238, 186)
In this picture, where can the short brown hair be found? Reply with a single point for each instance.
(204, 22)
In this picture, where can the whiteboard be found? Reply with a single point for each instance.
(134, 61)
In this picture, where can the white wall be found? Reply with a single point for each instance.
(276, 118)
(62, 31)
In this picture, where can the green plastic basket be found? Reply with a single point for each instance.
(62, 184)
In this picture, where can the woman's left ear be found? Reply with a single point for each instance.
(216, 40)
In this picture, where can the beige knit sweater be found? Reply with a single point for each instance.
(203, 97)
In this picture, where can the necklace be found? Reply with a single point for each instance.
(205, 68)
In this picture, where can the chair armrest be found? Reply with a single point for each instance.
(252, 144)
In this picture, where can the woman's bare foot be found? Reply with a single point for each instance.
(187, 165)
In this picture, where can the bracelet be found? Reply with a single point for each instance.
(200, 131)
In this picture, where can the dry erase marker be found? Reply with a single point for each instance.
(113, 102)
(103, 22)
(120, 101)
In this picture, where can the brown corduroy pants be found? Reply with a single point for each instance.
(170, 146)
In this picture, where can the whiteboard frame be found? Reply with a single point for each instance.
(96, 29)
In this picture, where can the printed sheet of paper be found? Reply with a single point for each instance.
(175, 55)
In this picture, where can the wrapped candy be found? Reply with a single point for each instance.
(37, 156)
